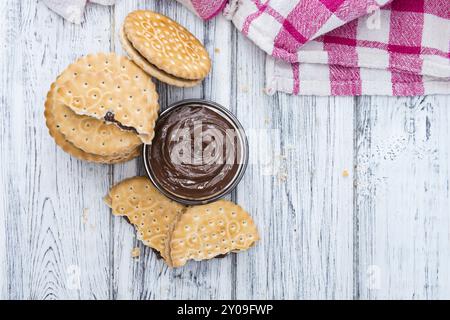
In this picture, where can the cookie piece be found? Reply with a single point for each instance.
(204, 232)
(92, 135)
(113, 98)
(94, 63)
(72, 149)
(152, 214)
(151, 69)
(112, 62)
(167, 45)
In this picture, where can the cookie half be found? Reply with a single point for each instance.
(204, 232)
(113, 98)
(152, 214)
(167, 50)
(92, 135)
(69, 147)
(108, 147)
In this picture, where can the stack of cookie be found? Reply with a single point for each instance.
(164, 49)
(182, 233)
(102, 108)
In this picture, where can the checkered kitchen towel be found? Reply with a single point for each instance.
(347, 47)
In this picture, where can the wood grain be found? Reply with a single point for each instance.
(149, 278)
(403, 197)
(4, 30)
(351, 195)
(47, 191)
(298, 196)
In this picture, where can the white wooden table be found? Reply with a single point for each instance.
(383, 231)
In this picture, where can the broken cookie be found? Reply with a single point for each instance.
(110, 97)
(182, 233)
(152, 214)
(211, 230)
(93, 136)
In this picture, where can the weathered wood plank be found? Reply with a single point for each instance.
(149, 278)
(47, 191)
(304, 206)
(403, 197)
(393, 243)
(4, 30)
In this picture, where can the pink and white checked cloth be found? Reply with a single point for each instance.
(347, 47)
(206, 9)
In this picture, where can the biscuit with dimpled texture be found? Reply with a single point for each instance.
(72, 149)
(167, 45)
(152, 214)
(109, 96)
(206, 231)
(94, 63)
(151, 69)
(92, 135)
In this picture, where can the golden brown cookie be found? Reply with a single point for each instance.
(171, 51)
(92, 135)
(151, 69)
(108, 96)
(116, 64)
(148, 210)
(68, 147)
(110, 152)
(204, 232)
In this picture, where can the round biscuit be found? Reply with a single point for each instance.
(152, 70)
(112, 97)
(72, 149)
(93, 135)
(93, 63)
(167, 45)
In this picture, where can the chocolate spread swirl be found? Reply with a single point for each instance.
(195, 153)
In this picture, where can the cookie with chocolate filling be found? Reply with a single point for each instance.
(164, 49)
(112, 98)
(89, 138)
(86, 134)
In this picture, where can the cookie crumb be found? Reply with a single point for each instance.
(282, 176)
(244, 89)
(345, 173)
(84, 216)
(136, 252)
(217, 50)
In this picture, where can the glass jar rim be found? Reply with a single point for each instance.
(230, 117)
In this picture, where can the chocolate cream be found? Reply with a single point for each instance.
(195, 153)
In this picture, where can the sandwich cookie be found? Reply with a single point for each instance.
(91, 138)
(113, 98)
(164, 49)
(67, 146)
